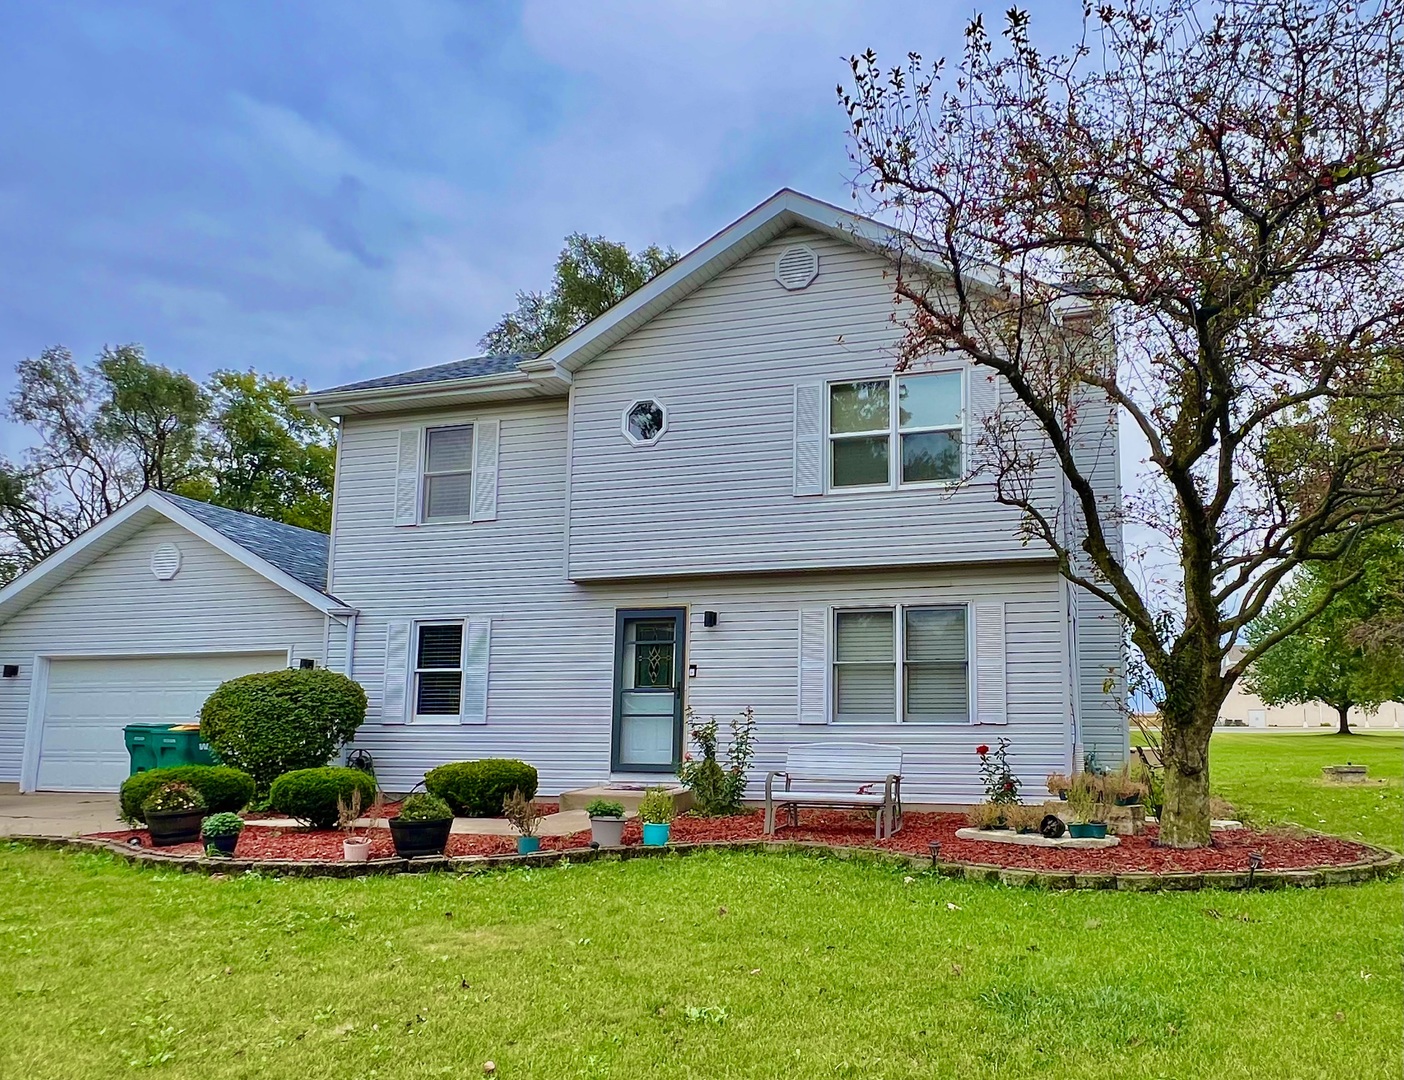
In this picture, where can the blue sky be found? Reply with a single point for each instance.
(333, 191)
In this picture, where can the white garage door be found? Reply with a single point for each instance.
(89, 702)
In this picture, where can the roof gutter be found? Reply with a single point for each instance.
(428, 393)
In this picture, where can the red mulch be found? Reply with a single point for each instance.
(1281, 850)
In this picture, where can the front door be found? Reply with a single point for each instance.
(648, 708)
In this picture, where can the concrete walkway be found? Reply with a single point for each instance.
(54, 813)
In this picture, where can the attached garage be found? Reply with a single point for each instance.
(138, 620)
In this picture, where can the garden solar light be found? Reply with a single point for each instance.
(935, 851)
(1255, 863)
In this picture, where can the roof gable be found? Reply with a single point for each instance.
(293, 559)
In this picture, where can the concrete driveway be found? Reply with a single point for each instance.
(53, 813)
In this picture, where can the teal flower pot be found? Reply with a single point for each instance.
(655, 835)
(527, 845)
(1079, 830)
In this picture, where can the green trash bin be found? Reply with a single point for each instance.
(160, 746)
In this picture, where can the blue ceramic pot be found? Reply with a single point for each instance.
(528, 844)
(655, 835)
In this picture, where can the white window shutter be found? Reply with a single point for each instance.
(478, 640)
(395, 699)
(407, 478)
(982, 402)
(485, 439)
(813, 666)
(809, 438)
(991, 685)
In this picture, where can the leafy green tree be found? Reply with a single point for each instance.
(113, 429)
(592, 274)
(1334, 658)
(261, 454)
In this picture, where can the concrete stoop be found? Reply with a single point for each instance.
(630, 795)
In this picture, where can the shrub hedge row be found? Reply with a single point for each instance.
(311, 795)
(479, 788)
(222, 787)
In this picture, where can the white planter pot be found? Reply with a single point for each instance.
(607, 831)
(356, 850)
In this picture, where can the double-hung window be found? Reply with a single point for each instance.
(447, 489)
(906, 429)
(901, 665)
(438, 672)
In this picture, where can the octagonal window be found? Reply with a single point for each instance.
(644, 422)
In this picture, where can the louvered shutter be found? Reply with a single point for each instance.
(475, 671)
(395, 699)
(991, 686)
(485, 441)
(407, 478)
(813, 666)
(982, 403)
(809, 439)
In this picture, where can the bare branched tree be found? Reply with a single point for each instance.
(1191, 220)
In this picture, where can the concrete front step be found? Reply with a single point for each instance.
(630, 795)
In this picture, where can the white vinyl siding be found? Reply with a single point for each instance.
(744, 366)
(115, 606)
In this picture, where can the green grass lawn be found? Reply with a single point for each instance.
(716, 965)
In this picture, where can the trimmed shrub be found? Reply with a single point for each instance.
(224, 788)
(222, 825)
(479, 788)
(274, 722)
(311, 795)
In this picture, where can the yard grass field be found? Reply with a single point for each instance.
(718, 965)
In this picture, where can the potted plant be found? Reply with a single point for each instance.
(1087, 802)
(422, 826)
(355, 846)
(173, 814)
(523, 815)
(221, 832)
(1024, 819)
(985, 815)
(606, 822)
(1058, 784)
(656, 811)
(1122, 789)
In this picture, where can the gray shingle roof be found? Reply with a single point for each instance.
(300, 553)
(469, 368)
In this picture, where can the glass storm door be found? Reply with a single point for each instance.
(648, 649)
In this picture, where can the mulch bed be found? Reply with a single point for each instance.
(1280, 849)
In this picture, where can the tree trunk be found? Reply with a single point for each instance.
(1343, 711)
(1184, 820)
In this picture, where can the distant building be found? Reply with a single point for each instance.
(1243, 708)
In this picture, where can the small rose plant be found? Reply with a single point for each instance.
(1001, 785)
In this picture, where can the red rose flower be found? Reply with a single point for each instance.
(982, 749)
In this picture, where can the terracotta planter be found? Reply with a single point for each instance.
(607, 831)
(356, 849)
(168, 827)
(415, 839)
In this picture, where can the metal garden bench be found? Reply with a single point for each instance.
(866, 768)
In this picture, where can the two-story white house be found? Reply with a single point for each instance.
(715, 495)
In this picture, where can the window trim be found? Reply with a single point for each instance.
(425, 474)
(895, 432)
(899, 653)
(634, 402)
(414, 715)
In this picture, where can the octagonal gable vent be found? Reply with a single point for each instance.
(796, 267)
(165, 561)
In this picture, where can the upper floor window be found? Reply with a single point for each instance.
(645, 421)
(906, 429)
(448, 474)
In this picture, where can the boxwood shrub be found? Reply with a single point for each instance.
(310, 795)
(479, 788)
(224, 789)
(274, 722)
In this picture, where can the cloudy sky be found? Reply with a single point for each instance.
(337, 190)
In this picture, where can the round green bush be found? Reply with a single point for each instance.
(311, 795)
(479, 788)
(424, 807)
(274, 722)
(225, 789)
